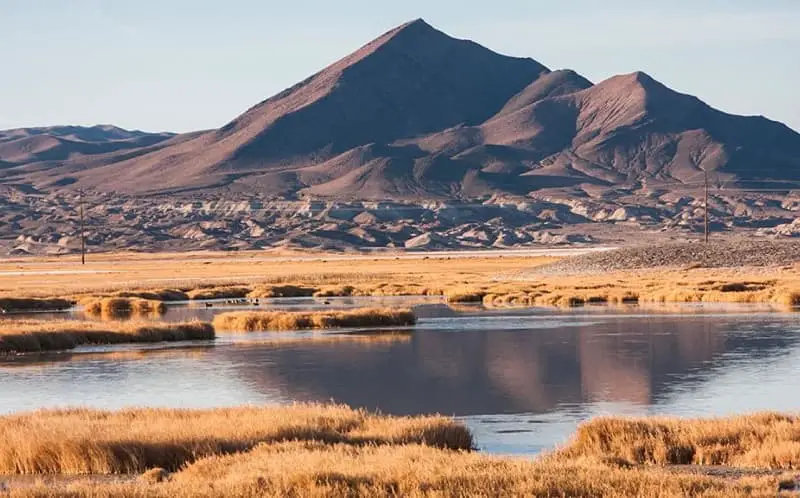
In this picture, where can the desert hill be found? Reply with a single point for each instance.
(418, 114)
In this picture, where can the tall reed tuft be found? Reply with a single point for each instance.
(250, 321)
(37, 336)
(118, 307)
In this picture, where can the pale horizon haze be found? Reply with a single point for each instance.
(180, 65)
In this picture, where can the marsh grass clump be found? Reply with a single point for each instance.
(336, 291)
(252, 321)
(82, 441)
(120, 307)
(29, 336)
(219, 293)
(399, 288)
(154, 476)
(170, 295)
(310, 469)
(465, 295)
(315, 469)
(788, 298)
(335, 451)
(287, 290)
(22, 304)
(766, 440)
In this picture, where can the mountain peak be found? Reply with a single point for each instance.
(644, 80)
(632, 84)
(642, 77)
(416, 23)
(412, 31)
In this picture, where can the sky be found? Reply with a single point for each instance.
(184, 65)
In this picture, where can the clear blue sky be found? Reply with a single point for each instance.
(184, 65)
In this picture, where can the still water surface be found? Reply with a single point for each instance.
(522, 380)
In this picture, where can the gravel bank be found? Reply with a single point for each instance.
(762, 253)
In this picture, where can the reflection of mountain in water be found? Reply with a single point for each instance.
(628, 359)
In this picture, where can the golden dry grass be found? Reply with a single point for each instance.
(122, 306)
(494, 280)
(464, 295)
(773, 286)
(766, 440)
(11, 304)
(155, 273)
(43, 362)
(253, 321)
(336, 291)
(316, 470)
(155, 294)
(27, 336)
(331, 450)
(84, 441)
(271, 291)
(219, 293)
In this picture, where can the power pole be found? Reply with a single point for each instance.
(705, 204)
(83, 235)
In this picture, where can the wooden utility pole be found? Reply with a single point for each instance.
(83, 235)
(705, 204)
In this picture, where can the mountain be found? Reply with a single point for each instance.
(97, 133)
(23, 146)
(418, 114)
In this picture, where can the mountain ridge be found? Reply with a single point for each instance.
(416, 113)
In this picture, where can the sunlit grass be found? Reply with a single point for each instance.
(767, 440)
(237, 292)
(28, 336)
(280, 290)
(114, 307)
(84, 441)
(15, 304)
(334, 451)
(252, 321)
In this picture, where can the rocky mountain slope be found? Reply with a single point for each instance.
(416, 114)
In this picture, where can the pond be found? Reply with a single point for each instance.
(522, 380)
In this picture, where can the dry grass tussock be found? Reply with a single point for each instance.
(113, 307)
(774, 286)
(252, 321)
(767, 440)
(43, 362)
(236, 292)
(287, 290)
(330, 450)
(12, 304)
(309, 469)
(132, 441)
(465, 295)
(28, 336)
(170, 295)
(316, 470)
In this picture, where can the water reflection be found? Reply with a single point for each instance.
(534, 373)
(632, 360)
